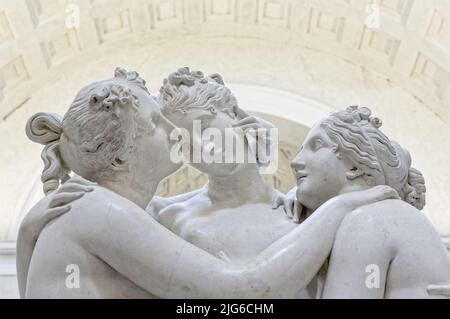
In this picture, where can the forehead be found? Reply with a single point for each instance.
(316, 131)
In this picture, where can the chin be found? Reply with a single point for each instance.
(308, 201)
(218, 169)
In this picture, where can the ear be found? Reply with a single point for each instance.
(354, 173)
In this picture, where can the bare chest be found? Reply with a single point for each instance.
(234, 234)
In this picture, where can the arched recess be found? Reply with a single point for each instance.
(319, 50)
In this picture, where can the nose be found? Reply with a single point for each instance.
(298, 163)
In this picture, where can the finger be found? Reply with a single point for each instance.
(251, 126)
(80, 180)
(241, 113)
(286, 212)
(74, 188)
(277, 203)
(56, 212)
(390, 194)
(289, 204)
(439, 290)
(287, 208)
(297, 212)
(247, 120)
(64, 198)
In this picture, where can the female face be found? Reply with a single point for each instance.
(152, 139)
(320, 174)
(211, 135)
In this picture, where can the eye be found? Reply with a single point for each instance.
(318, 143)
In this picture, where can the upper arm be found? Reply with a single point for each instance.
(29, 231)
(360, 258)
(139, 248)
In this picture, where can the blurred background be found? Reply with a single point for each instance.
(288, 61)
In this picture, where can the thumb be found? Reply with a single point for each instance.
(277, 203)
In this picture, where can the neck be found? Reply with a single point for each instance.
(139, 193)
(353, 187)
(245, 185)
(350, 187)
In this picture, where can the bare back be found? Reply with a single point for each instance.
(51, 272)
(390, 241)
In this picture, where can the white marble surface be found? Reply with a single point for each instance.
(314, 65)
(237, 232)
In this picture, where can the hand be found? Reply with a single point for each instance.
(247, 122)
(257, 132)
(439, 291)
(70, 191)
(354, 200)
(291, 206)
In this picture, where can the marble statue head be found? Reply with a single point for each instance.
(347, 151)
(113, 127)
(190, 96)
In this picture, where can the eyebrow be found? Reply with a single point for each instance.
(314, 137)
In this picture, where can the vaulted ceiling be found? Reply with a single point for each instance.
(291, 59)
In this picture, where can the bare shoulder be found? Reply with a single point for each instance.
(384, 212)
(91, 212)
(98, 201)
(390, 219)
(173, 212)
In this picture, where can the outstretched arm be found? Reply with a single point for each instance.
(302, 252)
(167, 266)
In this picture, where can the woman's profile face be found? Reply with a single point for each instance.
(209, 132)
(319, 173)
(152, 138)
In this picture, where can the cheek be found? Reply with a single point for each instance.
(333, 172)
(157, 145)
(323, 169)
(319, 165)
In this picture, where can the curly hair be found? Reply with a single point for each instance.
(185, 90)
(91, 129)
(380, 161)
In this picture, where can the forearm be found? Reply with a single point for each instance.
(24, 250)
(167, 266)
(289, 264)
(29, 231)
(160, 262)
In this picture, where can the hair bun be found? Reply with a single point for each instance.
(44, 128)
(415, 190)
